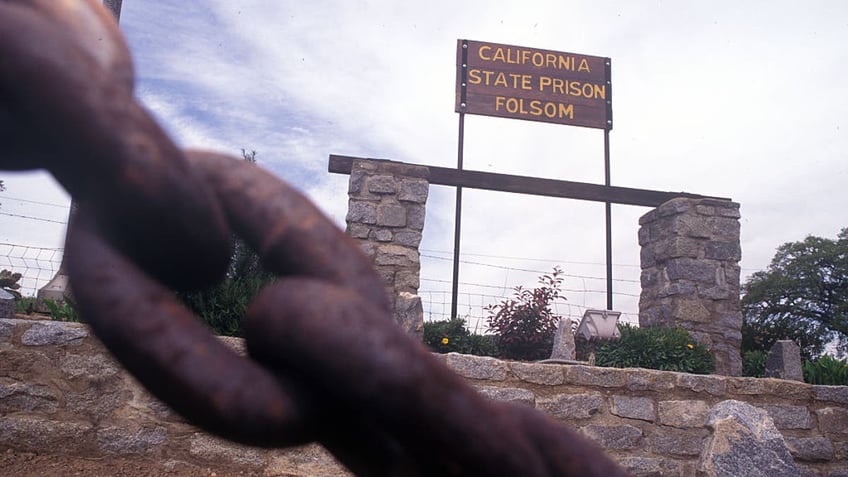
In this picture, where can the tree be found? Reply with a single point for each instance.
(802, 296)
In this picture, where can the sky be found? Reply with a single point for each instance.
(744, 100)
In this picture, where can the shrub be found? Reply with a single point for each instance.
(826, 370)
(25, 305)
(754, 363)
(62, 310)
(667, 349)
(222, 306)
(524, 326)
(448, 336)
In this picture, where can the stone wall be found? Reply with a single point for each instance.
(60, 393)
(690, 274)
(386, 214)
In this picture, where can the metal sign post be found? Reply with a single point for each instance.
(536, 85)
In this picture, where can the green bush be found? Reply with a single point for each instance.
(222, 306)
(524, 326)
(25, 305)
(667, 349)
(448, 336)
(826, 370)
(754, 363)
(62, 310)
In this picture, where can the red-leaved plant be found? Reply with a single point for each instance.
(524, 326)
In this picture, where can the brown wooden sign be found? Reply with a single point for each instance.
(537, 85)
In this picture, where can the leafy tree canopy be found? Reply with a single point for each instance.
(803, 296)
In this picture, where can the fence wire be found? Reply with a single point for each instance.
(37, 265)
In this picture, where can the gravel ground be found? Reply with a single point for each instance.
(27, 464)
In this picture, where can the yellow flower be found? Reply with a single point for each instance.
(445, 340)
(691, 346)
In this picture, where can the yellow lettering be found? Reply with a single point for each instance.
(515, 77)
(600, 91)
(511, 105)
(538, 59)
(500, 80)
(535, 108)
(474, 76)
(558, 86)
(573, 88)
(525, 82)
(499, 55)
(544, 81)
(480, 52)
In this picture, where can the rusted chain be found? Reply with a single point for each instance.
(325, 360)
(67, 106)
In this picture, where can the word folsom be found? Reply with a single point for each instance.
(534, 107)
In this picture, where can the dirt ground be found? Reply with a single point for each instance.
(26, 464)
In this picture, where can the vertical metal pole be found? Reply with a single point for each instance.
(463, 83)
(608, 74)
(608, 219)
(457, 222)
(114, 6)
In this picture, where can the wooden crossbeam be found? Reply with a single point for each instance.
(532, 185)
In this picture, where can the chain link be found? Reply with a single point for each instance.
(325, 360)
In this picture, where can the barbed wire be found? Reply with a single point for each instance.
(29, 217)
(28, 201)
(472, 309)
(518, 269)
(529, 259)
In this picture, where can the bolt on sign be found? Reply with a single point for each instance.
(537, 85)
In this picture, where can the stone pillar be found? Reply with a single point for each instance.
(690, 274)
(784, 361)
(386, 214)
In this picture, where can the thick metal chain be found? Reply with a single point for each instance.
(325, 360)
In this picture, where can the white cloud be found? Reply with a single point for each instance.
(736, 100)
